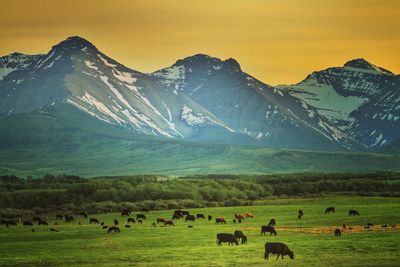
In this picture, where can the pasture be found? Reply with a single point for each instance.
(310, 238)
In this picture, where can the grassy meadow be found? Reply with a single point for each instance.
(311, 238)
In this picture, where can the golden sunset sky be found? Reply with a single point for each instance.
(277, 41)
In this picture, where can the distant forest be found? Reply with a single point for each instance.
(20, 196)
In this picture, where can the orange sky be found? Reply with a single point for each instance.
(277, 41)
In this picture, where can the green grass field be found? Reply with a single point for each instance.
(311, 238)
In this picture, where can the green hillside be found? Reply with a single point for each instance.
(49, 141)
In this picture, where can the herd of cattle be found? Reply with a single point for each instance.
(280, 249)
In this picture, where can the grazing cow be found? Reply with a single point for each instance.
(69, 218)
(239, 216)
(114, 229)
(27, 223)
(220, 220)
(209, 217)
(59, 217)
(116, 222)
(125, 212)
(42, 223)
(272, 222)
(185, 213)
(84, 214)
(170, 223)
(239, 235)
(353, 213)
(139, 221)
(160, 220)
(53, 230)
(338, 233)
(190, 218)
(268, 229)
(145, 210)
(330, 209)
(93, 220)
(140, 216)
(131, 220)
(230, 238)
(200, 216)
(384, 225)
(249, 215)
(301, 213)
(176, 216)
(127, 226)
(277, 248)
(105, 227)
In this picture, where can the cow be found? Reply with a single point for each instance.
(84, 214)
(27, 223)
(249, 215)
(272, 222)
(116, 222)
(178, 212)
(230, 238)
(105, 227)
(41, 222)
(384, 225)
(127, 226)
(209, 217)
(53, 230)
(190, 218)
(277, 248)
(69, 218)
(131, 220)
(145, 210)
(330, 209)
(185, 213)
(353, 213)
(239, 217)
(176, 216)
(268, 229)
(239, 235)
(370, 224)
(140, 216)
(168, 222)
(93, 220)
(160, 220)
(59, 217)
(114, 229)
(338, 233)
(220, 220)
(200, 216)
(125, 212)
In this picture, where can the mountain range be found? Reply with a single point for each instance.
(47, 99)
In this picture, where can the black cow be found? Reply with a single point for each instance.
(127, 226)
(114, 229)
(277, 248)
(220, 220)
(272, 222)
(190, 218)
(93, 220)
(41, 222)
(27, 223)
(209, 217)
(230, 238)
(176, 216)
(338, 233)
(353, 213)
(268, 229)
(105, 227)
(239, 235)
(384, 225)
(116, 222)
(370, 224)
(200, 216)
(145, 210)
(59, 217)
(69, 218)
(301, 213)
(185, 213)
(125, 212)
(140, 216)
(330, 209)
(131, 220)
(170, 223)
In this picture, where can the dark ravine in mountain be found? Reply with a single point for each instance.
(205, 99)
